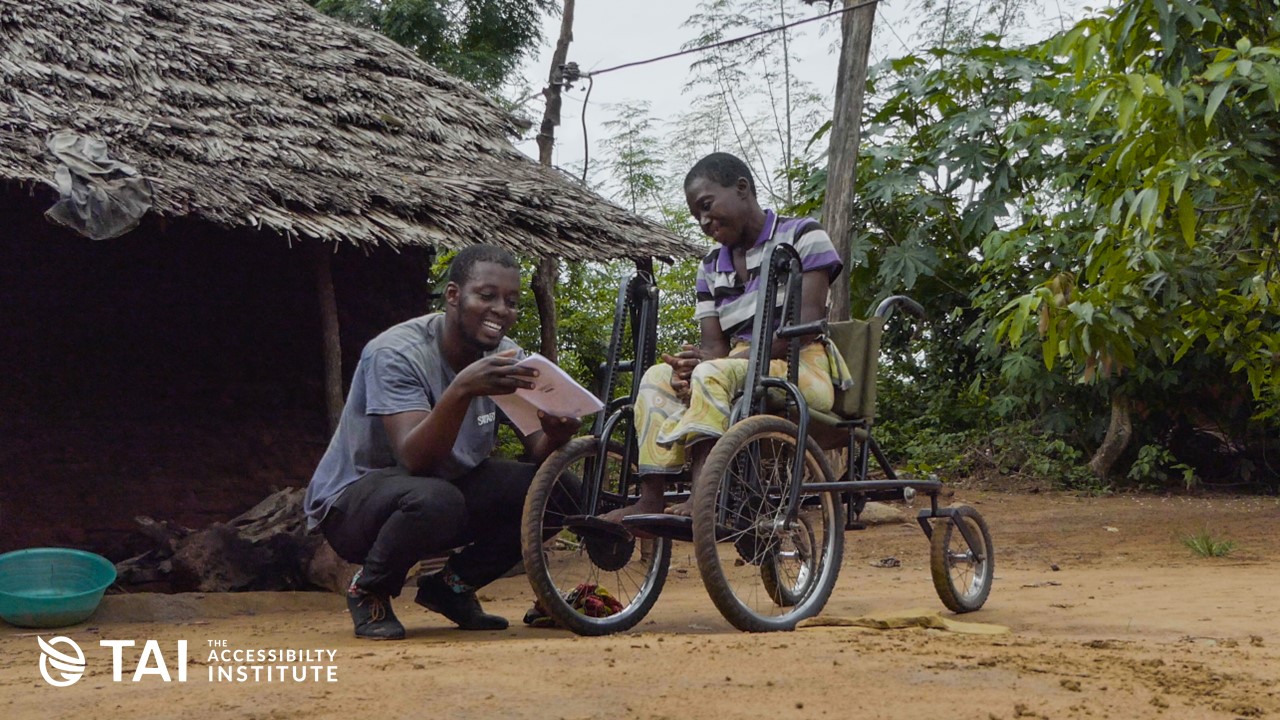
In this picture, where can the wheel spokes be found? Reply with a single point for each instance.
(965, 567)
(568, 555)
(755, 491)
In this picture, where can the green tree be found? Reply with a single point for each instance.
(482, 41)
(635, 164)
(1179, 201)
(959, 24)
(1092, 221)
(747, 97)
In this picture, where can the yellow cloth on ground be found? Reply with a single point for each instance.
(666, 426)
(898, 619)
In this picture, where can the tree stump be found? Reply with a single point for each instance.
(267, 547)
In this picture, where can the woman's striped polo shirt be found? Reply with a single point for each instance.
(720, 293)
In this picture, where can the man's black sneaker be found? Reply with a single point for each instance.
(373, 616)
(462, 608)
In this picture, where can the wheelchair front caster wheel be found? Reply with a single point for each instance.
(962, 560)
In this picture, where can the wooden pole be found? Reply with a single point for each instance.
(551, 116)
(332, 339)
(544, 277)
(842, 162)
(543, 286)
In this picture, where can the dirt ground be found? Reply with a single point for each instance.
(1130, 624)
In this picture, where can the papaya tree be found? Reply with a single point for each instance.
(1178, 186)
(1091, 221)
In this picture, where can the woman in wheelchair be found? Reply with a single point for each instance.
(686, 399)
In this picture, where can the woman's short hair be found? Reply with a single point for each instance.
(722, 168)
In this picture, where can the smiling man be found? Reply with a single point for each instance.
(408, 475)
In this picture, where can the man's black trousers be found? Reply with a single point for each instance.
(389, 520)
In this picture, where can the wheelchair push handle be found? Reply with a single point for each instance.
(887, 306)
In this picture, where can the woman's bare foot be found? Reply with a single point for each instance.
(650, 502)
(643, 506)
(684, 509)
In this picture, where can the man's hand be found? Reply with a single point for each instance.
(682, 365)
(495, 375)
(558, 430)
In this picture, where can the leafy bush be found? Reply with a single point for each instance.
(1156, 466)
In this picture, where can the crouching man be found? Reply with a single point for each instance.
(408, 475)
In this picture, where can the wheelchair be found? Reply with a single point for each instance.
(769, 519)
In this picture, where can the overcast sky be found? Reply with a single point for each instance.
(609, 33)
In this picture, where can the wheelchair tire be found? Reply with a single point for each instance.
(558, 562)
(962, 575)
(738, 508)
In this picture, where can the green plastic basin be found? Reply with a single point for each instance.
(52, 587)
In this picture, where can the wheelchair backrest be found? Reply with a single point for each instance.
(859, 342)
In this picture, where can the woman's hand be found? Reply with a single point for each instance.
(682, 365)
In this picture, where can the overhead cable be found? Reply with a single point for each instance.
(731, 41)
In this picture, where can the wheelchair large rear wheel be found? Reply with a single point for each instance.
(962, 572)
(565, 566)
(762, 572)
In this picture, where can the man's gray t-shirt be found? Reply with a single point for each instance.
(401, 370)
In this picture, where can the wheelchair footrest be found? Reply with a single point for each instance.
(596, 528)
(676, 527)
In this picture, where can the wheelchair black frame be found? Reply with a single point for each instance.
(781, 269)
(637, 301)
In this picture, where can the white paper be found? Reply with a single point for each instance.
(554, 393)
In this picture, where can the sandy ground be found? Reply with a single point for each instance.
(1130, 625)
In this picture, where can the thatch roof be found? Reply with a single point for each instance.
(267, 114)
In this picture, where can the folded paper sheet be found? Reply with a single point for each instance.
(554, 393)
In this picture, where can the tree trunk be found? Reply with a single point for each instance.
(332, 338)
(544, 277)
(265, 548)
(543, 285)
(842, 164)
(1117, 438)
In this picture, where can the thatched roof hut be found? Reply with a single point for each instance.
(180, 369)
(268, 114)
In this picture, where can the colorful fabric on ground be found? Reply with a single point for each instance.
(667, 426)
(593, 601)
(588, 599)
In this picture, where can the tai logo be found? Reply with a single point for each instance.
(70, 667)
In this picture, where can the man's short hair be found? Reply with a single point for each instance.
(722, 168)
(465, 261)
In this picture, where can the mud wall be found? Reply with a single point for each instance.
(174, 372)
